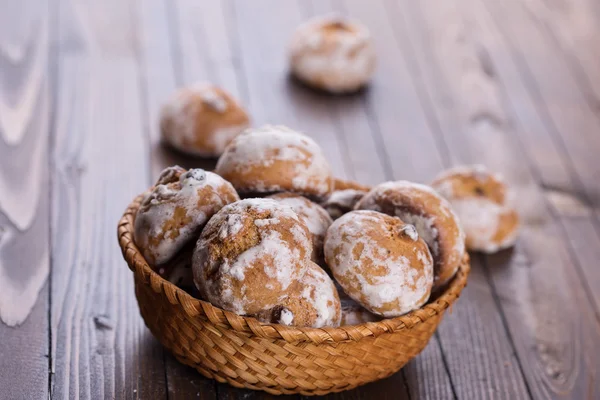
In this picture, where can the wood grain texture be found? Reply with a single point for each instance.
(160, 61)
(101, 347)
(536, 286)
(549, 163)
(561, 88)
(463, 328)
(569, 180)
(25, 108)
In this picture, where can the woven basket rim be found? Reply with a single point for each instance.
(196, 308)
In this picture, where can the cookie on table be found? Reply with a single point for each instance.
(201, 120)
(314, 216)
(176, 209)
(332, 53)
(380, 261)
(431, 215)
(275, 159)
(484, 204)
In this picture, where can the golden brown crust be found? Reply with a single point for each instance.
(430, 213)
(483, 203)
(275, 158)
(202, 120)
(380, 262)
(315, 217)
(332, 53)
(176, 209)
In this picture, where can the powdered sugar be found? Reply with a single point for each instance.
(343, 65)
(240, 272)
(171, 214)
(349, 247)
(286, 317)
(261, 147)
(320, 292)
(210, 97)
(425, 227)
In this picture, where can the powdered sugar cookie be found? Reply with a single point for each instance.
(380, 262)
(249, 254)
(340, 202)
(201, 120)
(430, 213)
(312, 301)
(274, 159)
(176, 209)
(484, 205)
(332, 53)
(314, 216)
(352, 312)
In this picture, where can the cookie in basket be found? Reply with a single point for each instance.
(314, 216)
(352, 312)
(175, 210)
(312, 300)
(484, 204)
(332, 53)
(380, 262)
(342, 201)
(430, 213)
(201, 120)
(274, 159)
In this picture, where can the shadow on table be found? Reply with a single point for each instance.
(163, 156)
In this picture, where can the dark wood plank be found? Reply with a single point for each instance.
(549, 164)
(537, 286)
(25, 112)
(561, 89)
(160, 58)
(100, 163)
(547, 134)
(461, 329)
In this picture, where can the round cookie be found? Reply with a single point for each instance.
(380, 262)
(314, 216)
(274, 159)
(311, 301)
(249, 254)
(201, 120)
(484, 205)
(332, 53)
(430, 213)
(340, 202)
(353, 313)
(176, 209)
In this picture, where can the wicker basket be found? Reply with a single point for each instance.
(276, 358)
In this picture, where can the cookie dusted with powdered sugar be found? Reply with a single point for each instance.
(340, 202)
(249, 254)
(430, 213)
(314, 216)
(201, 120)
(380, 262)
(312, 300)
(274, 159)
(173, 213)
(352, 312)
(332, 53)
(484, 204)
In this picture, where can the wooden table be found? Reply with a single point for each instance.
(511, 84)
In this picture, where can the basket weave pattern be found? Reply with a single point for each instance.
(276, 358)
